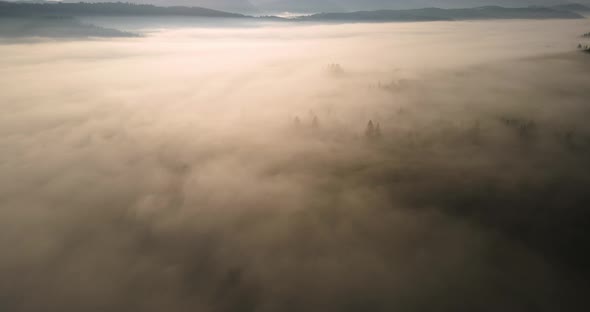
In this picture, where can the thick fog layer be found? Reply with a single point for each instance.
(382, 167)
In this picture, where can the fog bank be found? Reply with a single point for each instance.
(233, 169)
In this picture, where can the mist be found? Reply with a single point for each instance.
(239, 168)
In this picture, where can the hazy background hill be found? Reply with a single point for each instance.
(241, 6)
(379, 10)
(436, 14)
(357, 5)
(317, 6)
(20, 9)
(55, 27)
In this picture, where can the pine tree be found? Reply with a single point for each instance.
(370, 131)
(297, 122)
(378, 131)
(315, 123)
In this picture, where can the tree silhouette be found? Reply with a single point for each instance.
(297, 122)
(378, 131)
(315, 123)
(370, 131)
(335, 69)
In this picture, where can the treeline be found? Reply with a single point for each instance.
(585, 48)
(20, 9)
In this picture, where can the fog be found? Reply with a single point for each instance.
(232, 169)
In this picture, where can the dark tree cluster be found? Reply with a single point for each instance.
(373, 131)
(395, 85)
(335, 69)
(313, 123)
(524, 128)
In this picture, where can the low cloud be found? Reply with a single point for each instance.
(169, 172)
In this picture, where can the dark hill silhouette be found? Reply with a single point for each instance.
(20, 9)
(55, 27)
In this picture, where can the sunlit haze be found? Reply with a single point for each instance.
(162, 163)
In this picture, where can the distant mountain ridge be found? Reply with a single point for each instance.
(574, 7)
(269, 7)
(338, 6)
(437, 14)
(27, 9)
(240, 6)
